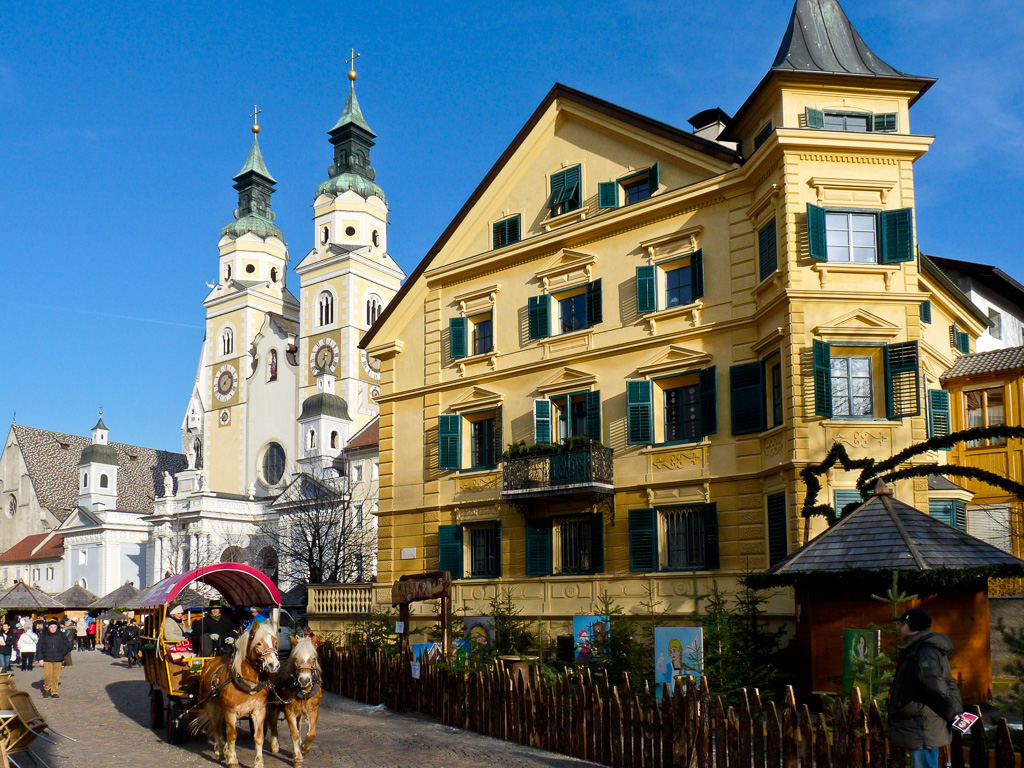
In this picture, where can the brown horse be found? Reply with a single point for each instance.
(238, 688)
(297, 693)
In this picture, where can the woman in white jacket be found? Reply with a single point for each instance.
(27, 648)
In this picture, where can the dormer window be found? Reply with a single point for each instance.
(631, 188)
(506, 231)
(565, 191)
(855, 122)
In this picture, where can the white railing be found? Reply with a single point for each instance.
(341, 599)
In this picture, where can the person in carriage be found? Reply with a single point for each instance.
(213, 632)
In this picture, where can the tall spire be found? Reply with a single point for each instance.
(255, 185)
(352, 138)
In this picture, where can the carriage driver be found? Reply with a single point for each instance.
(210, 632)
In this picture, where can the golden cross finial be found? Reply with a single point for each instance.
(352, 65)
(255, 123)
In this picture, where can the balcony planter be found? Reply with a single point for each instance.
(578, 464)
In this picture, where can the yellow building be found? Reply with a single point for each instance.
(692, 317)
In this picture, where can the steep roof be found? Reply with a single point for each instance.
(76, 597)
(367, 436)
(38, 546)
(981, 363)
(21, 595)
(52, 461)
(986, 274)
(352, 114)
(557, 92)
(119, 598)
(254, 164)
(884, 535)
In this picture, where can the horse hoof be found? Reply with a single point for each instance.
(274, 746)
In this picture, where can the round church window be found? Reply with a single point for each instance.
(350, 231)
(273, 464)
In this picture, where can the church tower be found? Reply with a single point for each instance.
(97, 471)
(348, 277)
(247, 378)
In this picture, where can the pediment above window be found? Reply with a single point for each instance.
(673, 245)
(858, 325)
(476, 399)
(568, 380)
(673, 359)
(567, 268)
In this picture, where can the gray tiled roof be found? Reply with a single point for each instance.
(76, 597)
(943, 483)
(119, 598)
(21, 595)
(53, 469)
(980, 363)
(885, 534)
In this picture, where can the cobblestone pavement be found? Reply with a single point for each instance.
(105, 706)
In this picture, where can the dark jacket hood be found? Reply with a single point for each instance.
(926, 637)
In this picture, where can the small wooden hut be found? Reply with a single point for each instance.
(837, 574)
(23, 599)
(119, 598)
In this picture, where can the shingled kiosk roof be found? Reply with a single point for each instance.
(22, 596)
(883, 536)
(983, 363)
(76, 597)
(119, 598)
(52, 461)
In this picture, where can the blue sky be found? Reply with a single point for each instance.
(121, 125)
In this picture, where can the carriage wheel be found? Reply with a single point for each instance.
(156, 707)
(177, 722)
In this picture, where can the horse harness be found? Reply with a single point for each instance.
(240, 682)
(300, 693)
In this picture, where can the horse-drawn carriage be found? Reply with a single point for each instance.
(246, 681)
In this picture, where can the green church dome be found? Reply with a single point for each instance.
(325, 404)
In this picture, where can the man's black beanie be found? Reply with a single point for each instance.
(917, 619)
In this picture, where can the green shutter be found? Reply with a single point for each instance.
(506, 232)
(747, 398)
(767, 250)
(762, 136)
(960, 515)
(457, 327)
(817, 242)
(608, 194)
(497, 535)
(538, 546)
(708, 402)
(639, 413)
(898, 235)
(449, 549)
(449, 442)
(643, 540)
(884, 123)
(926, 311)
(654, 178)
(815, 117)
(942, 510)
(539, 316)
(938, 413)
(711, 559)
(778, 541)
(499, 436)
(902, 380)
(822, 378)
(646, 290)
(594, 416)
(595, 313)
(570, 192)
(597, 543)
(845, 496)
(541, 421)
(963, 342)
(557, 185)
(697, 273)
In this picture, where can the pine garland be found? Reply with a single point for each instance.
(871, 471)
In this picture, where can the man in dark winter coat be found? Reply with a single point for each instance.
(52, 648)
(210, 632)
(923, 699)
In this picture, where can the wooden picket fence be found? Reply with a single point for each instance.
(584, 717)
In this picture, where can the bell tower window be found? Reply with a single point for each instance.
(326, 307)
(104, 482)
(227, 272)
(374, 305)
(273, 274)
(85, 479)
(325, 235)
(227, 342)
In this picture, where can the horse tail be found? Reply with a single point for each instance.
(198, 725)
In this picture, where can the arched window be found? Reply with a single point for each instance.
(267, 562)
(273, 274)
(12, 506)
(104, 482)
(326, 305)
(198, 445)
(334, 439)
(233, 554)
(83, 583)
(227, 272)
(273, 464)
(312, 439)
(85, 479)
(227, 341)
(272, 366)
(374, 305)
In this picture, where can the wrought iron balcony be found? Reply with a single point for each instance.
(587, 469)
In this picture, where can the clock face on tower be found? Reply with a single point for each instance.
(324, 352)
(371, 366)
(225, 383)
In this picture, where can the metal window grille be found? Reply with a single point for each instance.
(684, 538)
(682, 413)
(483, 551)
(482, 443)
(577, 543)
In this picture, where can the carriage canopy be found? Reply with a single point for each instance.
(238, 584)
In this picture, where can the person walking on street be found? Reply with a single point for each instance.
(114, 635)
(53, 647)
(27, 648)
(6, 646)
(90, 632)
(81, 637)
(923, 699)
(69, 632)
(132, 636)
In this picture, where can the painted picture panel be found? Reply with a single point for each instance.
(479, 630)
(860, 647)
(678, 651)
(590, 636)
